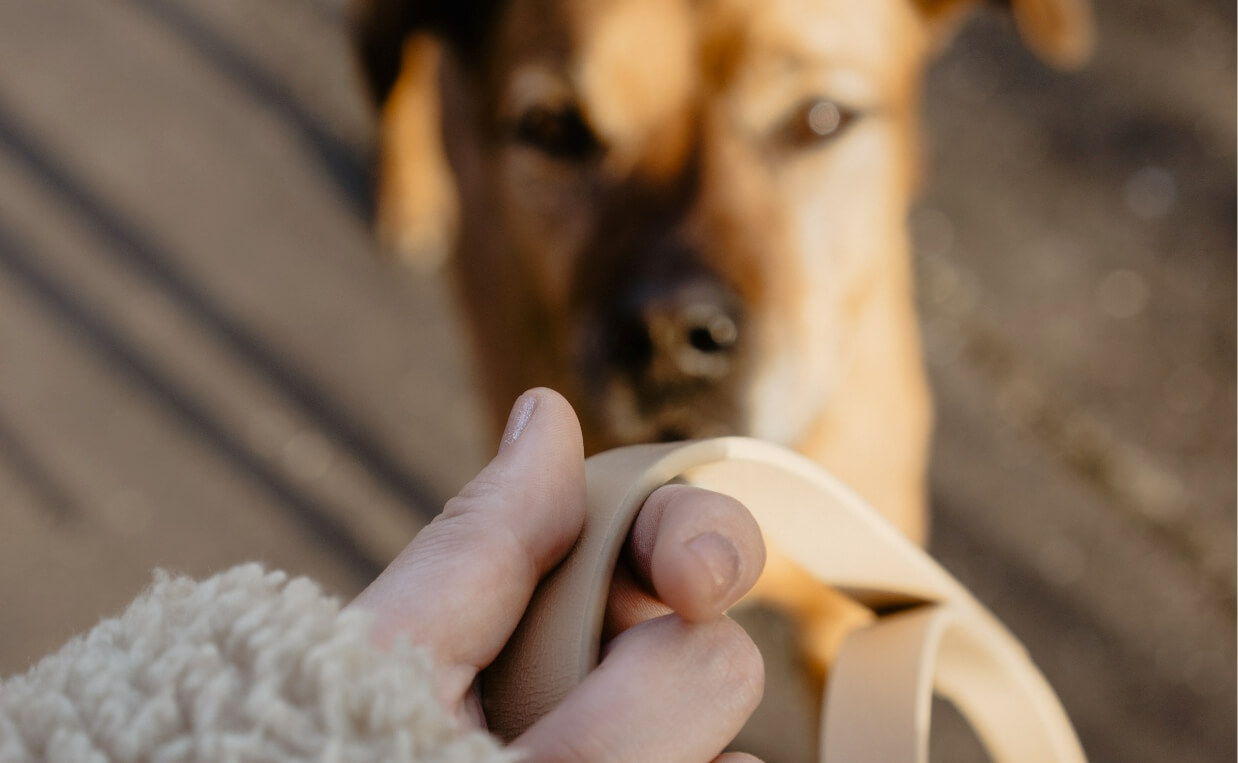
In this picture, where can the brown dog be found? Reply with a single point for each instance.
(686, 215)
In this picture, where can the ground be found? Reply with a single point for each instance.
(203, 360)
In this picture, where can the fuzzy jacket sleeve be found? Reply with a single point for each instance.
(246, 666)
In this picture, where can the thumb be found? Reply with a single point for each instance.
(464, 582)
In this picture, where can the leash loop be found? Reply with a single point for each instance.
(879, 689)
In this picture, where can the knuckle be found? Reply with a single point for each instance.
(479, 493)
(465, 534)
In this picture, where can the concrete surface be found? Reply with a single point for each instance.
(203, 361)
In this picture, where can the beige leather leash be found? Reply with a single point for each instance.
(880, 687)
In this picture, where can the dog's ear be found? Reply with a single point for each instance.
(380, 28)
(1061, 32)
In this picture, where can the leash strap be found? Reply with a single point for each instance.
(879, 689)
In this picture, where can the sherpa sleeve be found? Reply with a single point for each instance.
(246, 666)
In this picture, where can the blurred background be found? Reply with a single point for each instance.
(203, 359)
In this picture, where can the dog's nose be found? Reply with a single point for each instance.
(685, 333)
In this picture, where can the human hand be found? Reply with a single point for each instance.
(677, 680)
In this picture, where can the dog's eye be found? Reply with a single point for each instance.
(557, 132)
(816, 121)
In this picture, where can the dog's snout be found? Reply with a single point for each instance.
(686, 333)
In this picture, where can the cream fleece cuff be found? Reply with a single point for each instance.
(248, 665)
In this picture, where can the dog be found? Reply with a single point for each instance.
(688, 216)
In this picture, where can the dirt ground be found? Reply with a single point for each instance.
(204, 361)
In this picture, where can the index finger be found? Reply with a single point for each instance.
(690, 551)
(700, 551)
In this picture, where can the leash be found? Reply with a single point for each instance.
(930, 634)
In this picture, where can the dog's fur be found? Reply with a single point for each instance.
(686, 215)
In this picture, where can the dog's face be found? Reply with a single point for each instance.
(689, 202)
(688, 215)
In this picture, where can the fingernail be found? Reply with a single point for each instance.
(720, 558)
(518, 419)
